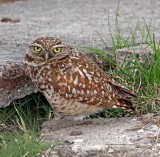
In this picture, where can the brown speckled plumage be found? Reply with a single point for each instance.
(71, 82)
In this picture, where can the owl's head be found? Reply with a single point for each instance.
(44, 50)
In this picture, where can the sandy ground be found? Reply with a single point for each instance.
(123, 137)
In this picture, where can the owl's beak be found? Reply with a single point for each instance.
(46, 57)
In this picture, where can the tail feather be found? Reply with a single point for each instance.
(126, 93)
(125, 104)
(125, 97)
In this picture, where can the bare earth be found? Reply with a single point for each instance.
(124, 137)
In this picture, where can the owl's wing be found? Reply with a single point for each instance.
(84, 82)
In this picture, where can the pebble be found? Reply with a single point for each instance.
(110, 150)
(141, 130)
(78, 140)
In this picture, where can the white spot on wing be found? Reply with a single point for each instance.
(49, 72)
(75, 82)
(78, 92)
(74, 91)
(114, 106)
(95, 79)
(110, 98)
(87, 74)
(92, 99)
(91, 92)
(60, 84)
(109, 88)
(103, 92)
(42, 86)
(71, 79)
(95, 92)
(49, 79)
(118, 104)
(64, 76)
(82, 92)
(81, 73)
(66, 95)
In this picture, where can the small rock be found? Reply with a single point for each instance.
(154, 128)
(76, 132)
(134, 119)
(9, 20)
(13, 80)
(141, 130)
(78, 140)
(110, 150)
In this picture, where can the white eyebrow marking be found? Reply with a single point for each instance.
(60, 45)
(35, 44)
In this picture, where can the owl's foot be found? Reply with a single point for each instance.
(58, 124)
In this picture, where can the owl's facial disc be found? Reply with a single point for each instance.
(42, 54)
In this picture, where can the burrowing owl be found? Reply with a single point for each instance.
(72, 83)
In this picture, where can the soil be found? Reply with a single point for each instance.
(123, 137)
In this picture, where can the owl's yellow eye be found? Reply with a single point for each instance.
(37, 49)
(57, 50)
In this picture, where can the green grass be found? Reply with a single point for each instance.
(33, 109)
(20, 126)
(20, 122)
(16, 145)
